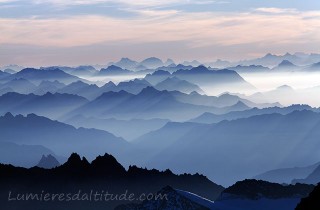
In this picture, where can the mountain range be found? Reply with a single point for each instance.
(61, 138)
(36, 76)
(103, 173)
(50, 105)
(288, 175)
(234, 145)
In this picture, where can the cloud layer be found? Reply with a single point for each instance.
(153, 21)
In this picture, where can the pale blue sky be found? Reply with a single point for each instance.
(71, 32)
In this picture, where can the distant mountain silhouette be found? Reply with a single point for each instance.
(13, 67)
(172, 68)
(248, 142)
(312, 178)
(174, 83)
(169, 62)
(103, 173)
(286, 65)
(226, 79)
(19, 85)
(193, 63)
(37, 76)
(249, 69)
(157, 77)
(4, 74)
(59, 137)
(127, 129)
(77, 71)
(133, 86)
(48, 86)
(113, 71)
(152, 63)
(93, 91)
(240, 106)
(278, 94)
(126, 63)
(82, 89)
(50, 105)
(10, 71)
(21, 155)
(214, 118)
(313, 67)
(149, 103)
(48, 162)
(287, 175)
(270, 60)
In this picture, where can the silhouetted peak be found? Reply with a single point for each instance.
(182, 66)
(74, 157)
(149, 91)
(287, 54)
(26, 70)
(152, 59)
(169, 62)
(75, 161)
(168, 172)
(126, 60)
(48, 162)
(8, 115)
(269, 55)
(109, 94)
(161, 73)
(241, 104)
(284, 87)
(200, 68)
(285, 63)
(112, 68)
(109, 84)
(227, 96)
(108, 164)
(194, 93)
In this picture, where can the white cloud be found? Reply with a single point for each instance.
(197, 29)
(275, 10)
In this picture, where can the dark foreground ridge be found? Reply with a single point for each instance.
(104, 174)
(312, 202)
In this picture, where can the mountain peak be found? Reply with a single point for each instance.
(126, 60)
(113, 67)
(161, 73)
(149, 91)
(8, 115)
(285, 63)
(75, 161)
(200, 68)
(269, 55)
(108, 164)
(152, 62)
(284, 87)
(169, 62)
(48, 162)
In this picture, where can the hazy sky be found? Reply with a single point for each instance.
(71, 32)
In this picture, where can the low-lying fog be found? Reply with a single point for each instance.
(285, 87)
